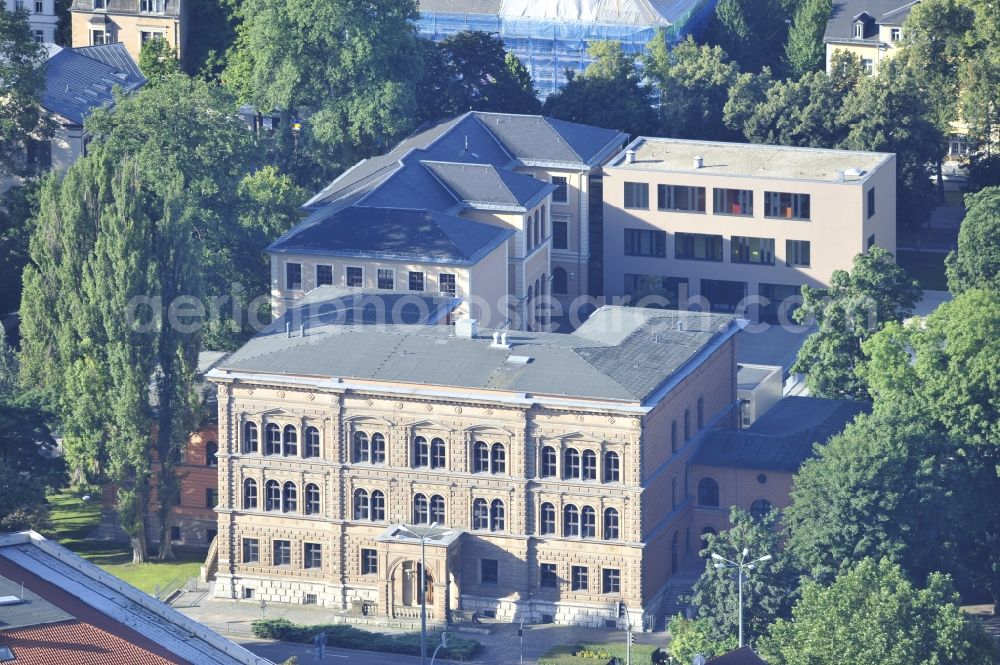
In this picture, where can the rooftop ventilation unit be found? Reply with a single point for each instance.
(854, 172)
(466, 328)
(518, 360)
(699, 162)
(630, 156)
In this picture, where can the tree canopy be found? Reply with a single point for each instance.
(22, 79)
(976, 264)
(158, 60)
(805, 50)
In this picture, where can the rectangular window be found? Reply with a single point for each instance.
(324, 275)
(797, 253)
(282, 553)
(786, 205)
(560, 235)
(548, 579)
(680, 198)
(386, 278)
(561, 195)
(98, 37)
(447, 283)
(895, 34)
(416, 281)
(251, 550)
(98, 4)
(151, 6)
(868, 66)
(733, 202)
(489, 571)
(758, 251)
(611, 580)
(698, 246)
(779, 301)
(637, 195)
(211, 497)
(871, 241)
(645, 242)
(293, 276)
(247, 593)
(355, 276)
(369, 562)
(39, 7)
(723, 296)
(175, 533)
(313, 555)
(39, 36)
(871, 202)
(578, 578)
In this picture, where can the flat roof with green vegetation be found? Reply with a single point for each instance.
(601, 654)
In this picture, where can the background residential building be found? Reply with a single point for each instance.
(131, 22)
(872, 30)
(41, 17)
(724, 221)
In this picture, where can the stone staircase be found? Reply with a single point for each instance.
(679, 588)
(211, 565)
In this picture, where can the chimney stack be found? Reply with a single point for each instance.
(630, 156)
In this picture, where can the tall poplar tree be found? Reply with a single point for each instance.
(804, 50)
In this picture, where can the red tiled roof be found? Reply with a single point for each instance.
(74, 642)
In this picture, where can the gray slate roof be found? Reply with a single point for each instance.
(782, 438)
(484, 184)
(394, 233)
(79, 80)
(840, 26)
(622, 354)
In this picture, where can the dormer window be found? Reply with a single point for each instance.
(98, 4)
(895, 34)
(859, 29)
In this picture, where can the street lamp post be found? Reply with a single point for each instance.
(722, 562)
(422, 536)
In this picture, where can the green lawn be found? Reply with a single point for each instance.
(596, 654)
(74, 519)
(925, 267)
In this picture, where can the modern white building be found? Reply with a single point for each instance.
(41, 16)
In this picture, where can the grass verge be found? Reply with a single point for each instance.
(601, 654)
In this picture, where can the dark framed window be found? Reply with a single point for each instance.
(272, 495)
(282, 553)
(289, 497)
(612, 525)
(571, 463)
(293, 276)
(211, 497)
(708, 492)
(211, 453)
(612, 467)
(786, 205)
(362, 453)
(571, 521)
(797, 253)
(560, 235)
(611, 580)
(250, 438)
(354, 276)
(272, 439)
(547, 519)
(489, 571)
(324, 275)
(579, 578)
(498, 458)
(312, 555)
(548, 578)
(416, 281)
(589, 467)
(733, 202)
(758, 251)
(446, 281)
(386, 279)
(290, 440)
(760, 508)
(871, 203)
(680, 198)
(701, 412)
(561, 193)
(673, 436)
(312, 499)
(645, 242)
(437, 453)
(311, 448)
(437, 509)
(378, 506)
(421, 452)
(421, 510)
(480, 457)
(369, 562)
(251, 550)
(698, 246)
(637, 195)
(480, 515)
(498, 516)
(548, 462)
(378, 448)
(588, 522)
(249, 494)
(560, 281)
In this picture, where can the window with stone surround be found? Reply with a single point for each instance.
(611, 580)
(498, 516)
(480, 457)
(421, 452)
(548, 578)
(211, 497)
(571, 463)
(293, 276)
(272, 439)
(354, 276)
(211, 453)
(547, 519)
(386, 278)
(378, 506)
(446, 282)
(272, 495)
(498, 458)
(588, 522)
(589, 471)
(571, 521)
(437, 453)
(249, 494)
(282, 553)
(311, 446)
(548, 462)
(324, 275)
(612, 467)
(378, 448)
(369, 562)
(611, 524)
(250, 438)
(579, 578)
(312, 555)
(361, 506)
(480, 515)
(290, 441)
(251, 550)
(489, 571)
(289, 498)
(437, 509)
(312, 499)
(673, 436)
(361, 451)
(708, 492)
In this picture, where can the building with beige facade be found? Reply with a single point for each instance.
(41, 17)
(556, 462)
(721, 225)
(433, 200)
(130, 22)
(871, 30)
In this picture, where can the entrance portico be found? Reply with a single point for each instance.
(400, 594)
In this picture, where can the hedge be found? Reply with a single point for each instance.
(345, 636)
(601, 654)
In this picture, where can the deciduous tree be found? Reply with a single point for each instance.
(976, 264)
(805, 50)
(158, 60)
(22, 80)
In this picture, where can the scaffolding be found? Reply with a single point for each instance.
(552, 36)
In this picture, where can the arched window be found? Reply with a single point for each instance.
(571, 521)
(272, 495)
(708, 492)
(497, 516)
(548, 469)
(249, 494)
(378, 506)
(437, 509)
(272, 439)
(544, 235)
(560, 281)
(673, 436)
(421, 452)
(538, 228)
(361, 451)
(571, 463)
(547, 519)
(498, 458)
(421, 513)
(311, 443)
(760, 508)
(480, 457)
(378, 448)
(291, 440)
(480, 515)
(250, 438)
(312, 499)
(612, 467)
(611, 528)
(589, 465)
(211, 453)
(361, 505)
(701, 412)
(289, 498)
(673, 492)
(687, 424)
(437, 454)
(588, 522)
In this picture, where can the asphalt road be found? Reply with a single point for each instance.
(278, 652)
